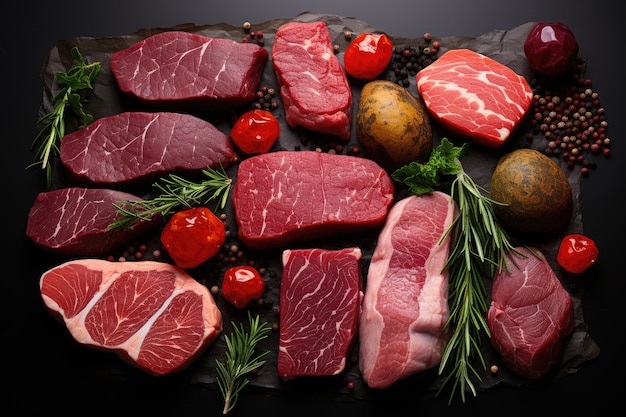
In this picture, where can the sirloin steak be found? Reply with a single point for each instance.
(151, 314)
(405, 307)
(286, 196)
(474, 96)
(136, 145)
(313, 85)
(320, 305)
(75, 221)
(530, 315)
(182, 69)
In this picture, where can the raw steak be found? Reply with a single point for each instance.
(182, 69)
(530, 315)
(405, 306)
(151, 314)
(474, 96)
(138, 145)
(75, 221)
(287, 196)
(320, 304)
(313, 85)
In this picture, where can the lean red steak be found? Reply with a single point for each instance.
(287, 196)
(181, 69)
(530, 315)
(320, 305)
(313, 86)
(151, 314)
(405, 306)
(475, 96)
(133, 146)
(75, 221)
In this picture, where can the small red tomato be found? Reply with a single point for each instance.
(577, 253)
(242, 284)
(193, 236)
(368, 55)
(255, 131)
(551, 48)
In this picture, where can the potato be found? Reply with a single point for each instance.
(535, 189)
(392, 125)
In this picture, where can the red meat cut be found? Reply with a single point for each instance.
(151, 314)
(287, 196)
(474, 96)
(75, 221)
(181, 69)
(530, 315)
(320, 305)
(405, 307)
(314, 88)
(137, 145)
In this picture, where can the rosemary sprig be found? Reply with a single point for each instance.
(479, 248)
(176, 191)
(77, 78)
(241, 345)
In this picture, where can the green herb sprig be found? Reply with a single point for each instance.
(479, 248)
(176, 192)
(78, 78)
(240, 360)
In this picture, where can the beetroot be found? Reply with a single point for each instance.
(550, 48)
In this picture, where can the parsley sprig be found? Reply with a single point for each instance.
(479, 248)
(240, 360)
(176, 192)
(78, 78)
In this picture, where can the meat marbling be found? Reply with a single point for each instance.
(153, 315)
(405, 306)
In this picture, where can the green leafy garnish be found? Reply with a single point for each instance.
(240, 360)
(77, 78)
(175, 192)
(479, 248)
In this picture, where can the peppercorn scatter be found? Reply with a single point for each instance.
(570, 117)
(265, 99)
(252, 35)
(408, 60)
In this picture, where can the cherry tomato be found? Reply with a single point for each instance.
(255, 131)
(368, 55)
(577, 253)
(551, 48)
(193, 236)
(242, 284)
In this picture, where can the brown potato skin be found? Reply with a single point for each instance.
(392, 125)
(536, 189)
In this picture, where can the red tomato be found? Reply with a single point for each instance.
(577, 253)
(193, 236)
(242, 284)
(255, 131)
(368, 55)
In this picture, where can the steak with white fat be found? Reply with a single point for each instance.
(474, 96)
(133, 146)
(530, 315)
(405, 306)
(186, 70)
(153, 315)
(287, 196)
(314, 88)
(320, 304)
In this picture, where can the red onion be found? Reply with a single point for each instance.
(550, 48)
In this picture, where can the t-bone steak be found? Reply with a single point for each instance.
(131, 146)
(530, 316)
(475, 96)
(405, 307)
(75, 221)
(320, 305)
(181, 69)
(287, 196)
(313, 86)
(151, 314)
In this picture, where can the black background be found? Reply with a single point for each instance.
(42, 367)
